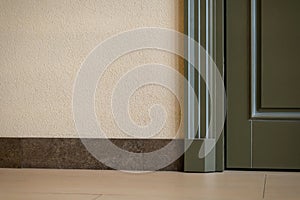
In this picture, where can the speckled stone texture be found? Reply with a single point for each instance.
(10, 153)
(70, 153)
(57, 153)
(152, 145)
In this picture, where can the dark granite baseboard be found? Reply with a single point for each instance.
(70, 153)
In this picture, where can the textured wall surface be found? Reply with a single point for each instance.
(44, 42)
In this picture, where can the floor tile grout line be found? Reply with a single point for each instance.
(65, 193)
(264, 188)
(97, 197)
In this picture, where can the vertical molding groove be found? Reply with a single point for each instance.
(195, 114)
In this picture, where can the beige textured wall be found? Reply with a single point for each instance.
(43, 43)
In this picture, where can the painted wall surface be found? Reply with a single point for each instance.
(44, 42)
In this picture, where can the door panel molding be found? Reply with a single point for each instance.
(257, 111)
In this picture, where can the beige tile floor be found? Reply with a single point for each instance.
(37, 184)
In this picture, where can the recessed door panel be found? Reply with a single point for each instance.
(280, 53)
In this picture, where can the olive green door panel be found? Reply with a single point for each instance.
(280, 42)
(276, 144)
(238, 135)
(263, 88)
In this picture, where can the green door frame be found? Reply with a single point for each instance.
(204, 22)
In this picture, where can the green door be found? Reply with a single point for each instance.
(263, 84)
